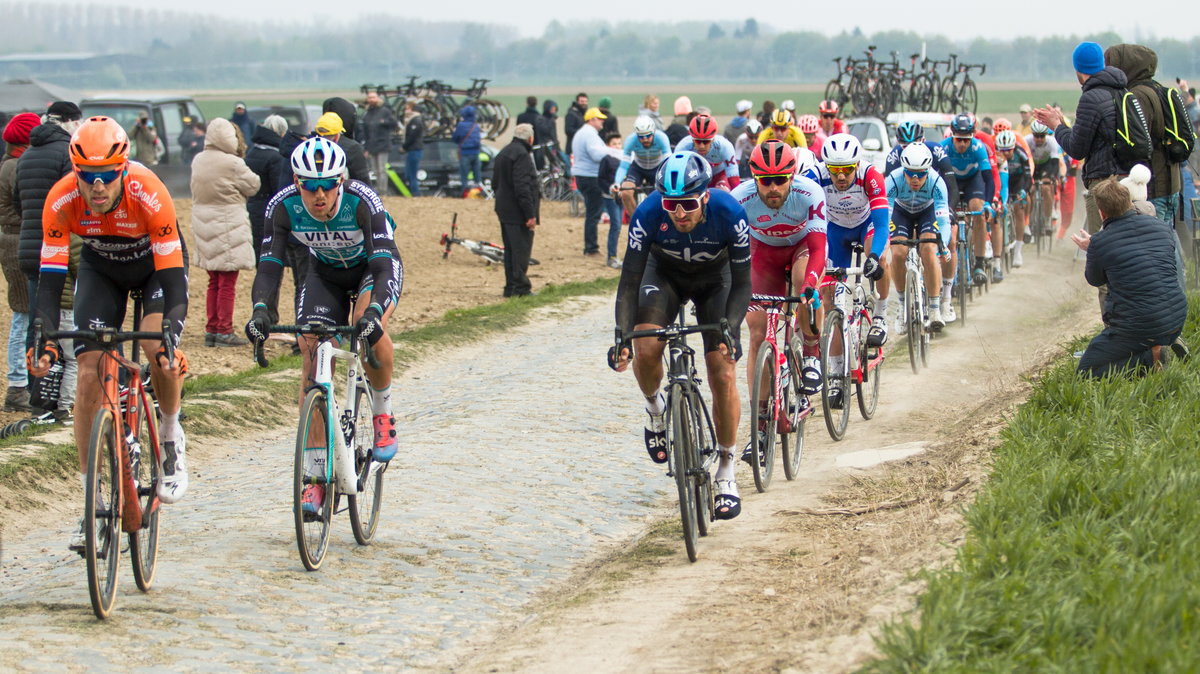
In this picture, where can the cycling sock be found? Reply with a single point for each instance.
(83, 481)
(1018, 245)
(935, 302)
(947, 286)
(881, 306)
(655, 404)
(900, 299)
(170, 427)
(381, 400)
(725, 467)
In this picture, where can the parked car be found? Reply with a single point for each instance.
(169, 114)
(878, 136)
(438, 173)
(300, 118)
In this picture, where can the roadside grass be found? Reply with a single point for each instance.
(1082, 550)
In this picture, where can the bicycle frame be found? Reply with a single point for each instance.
(774, 309)
(339, 435)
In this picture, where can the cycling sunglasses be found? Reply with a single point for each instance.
(962, 139)
(828, 116)
(915, 174)
(769, 181)
(106, 177)
(842, 170)
(688, 204)
(314, 184)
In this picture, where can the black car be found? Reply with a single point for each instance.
(438, 174)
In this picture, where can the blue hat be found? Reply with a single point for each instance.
(1088, 58)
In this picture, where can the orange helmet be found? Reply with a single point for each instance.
(1002, 124)
(99, 141)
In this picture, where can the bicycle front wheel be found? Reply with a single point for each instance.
(681, 439)
(912, 320)
(969, 97)
(795, 405)
(102, 514)
(365, 505)
(837, 412)
(963, 281)
(764, 406)
(868, 385)
(311, 470)
(143, 543)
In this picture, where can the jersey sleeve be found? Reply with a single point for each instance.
(383, 259)
(630, 146)
(878, 203)
(941, 205)
(892, 162)
(739, 266)
(637, 250)
(59, 212)
(276, 230)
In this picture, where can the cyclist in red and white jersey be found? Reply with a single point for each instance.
(830, 124)
(704, 141)
(810, 126)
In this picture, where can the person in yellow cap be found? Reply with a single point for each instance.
(329, 125)
(588, 149)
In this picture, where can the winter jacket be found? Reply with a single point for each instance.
(414, 133)
(466, 133)
(1139, 64)
(573, 122)
(515, 180)
(356, 159)
(379, 125)
(1091, 138)
(606, 175)
(10, 233)
(264, 160)
(735, 128)
(527, 116)
(545, 127)
(221, 184)
(611, 125)
(291, 140)
(39, 168)
(346, 110)
(652, 114)
(1135, 255)
(677, 132)
(587, 151)
(243, 122)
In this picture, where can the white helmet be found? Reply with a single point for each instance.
(841, 149)
(318, 157)
(805, 160)
(754, 126)
(1039, 128)
(644, 126)
(788, 105)
(916, 157)
(1006, 140)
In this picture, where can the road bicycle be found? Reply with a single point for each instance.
(836, 88)
(966, 282)
(958, 92)
(917, 89)
(554, 180)
(691, 441)
(777, 401)
(485, 249)
(867, 89)
(916, 302)
(338, 455)
(123, 458)
(847, 323)
(1039, 223)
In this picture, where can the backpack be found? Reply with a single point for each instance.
(1178, 135)
(1131, 142)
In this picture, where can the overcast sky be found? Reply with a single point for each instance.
(1171, 18)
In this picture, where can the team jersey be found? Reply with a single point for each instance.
(1019, 178)
(839, 126)
(1045, 152)
(975, 161)
(645, 157)
(795, 137)
(802, 213)
(864, 201)
(941, 162)
(720, 156)
(933, 192)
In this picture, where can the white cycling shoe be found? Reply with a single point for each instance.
(948, 315)
(173, 468)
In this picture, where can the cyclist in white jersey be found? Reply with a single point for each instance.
(644, 152)
(704, 141)
(1048, 163)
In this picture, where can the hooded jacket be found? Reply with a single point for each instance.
(516, 183)
(38, 169)
(221, 183)
(1091, 138)
(264, 159)
(356, 158)
(10, 232)
(527, 116)
(466, 133)
(545, 127)
(1135, 255)
(1139, 64)
(573, 122)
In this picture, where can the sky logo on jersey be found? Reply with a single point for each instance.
(636, 234)
(139, 192)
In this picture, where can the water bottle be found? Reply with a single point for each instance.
(987, 248)
(785, 371)
(135, 457)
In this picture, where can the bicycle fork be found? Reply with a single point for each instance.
(339, 430)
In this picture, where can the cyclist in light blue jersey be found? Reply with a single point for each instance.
(917, 197)
(705, 142)
(911, 132)
(973, 170)
(644, 151)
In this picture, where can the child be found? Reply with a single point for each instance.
(612, 206)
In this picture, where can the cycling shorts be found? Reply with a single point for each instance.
(664, 290)
(770, 267)
(1048, 170)
(102, 289)
(925, 221)
(840, 239)
(327, 293)
(641, 176)
(972, 188)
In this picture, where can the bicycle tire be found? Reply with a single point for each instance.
(706, 507)
(366, 504)
(924, 94)
(835, 419)
(143, 543)
(102, 514)
(792, 443)
(948, 94)
(964, 280)
(834, 91)
(575, 203)
(312, 533)
(680, 440)
(969, 96)
(926, 333)
(764, 432)
(1035, 219)
(868, 386)
(912, 320)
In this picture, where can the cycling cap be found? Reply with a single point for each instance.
(909, 132)
(99, 141)
(788, 105)
(682, 175)
(805, 159)
(644, 126)
(1006, 140)
(827, 106)
(841, 149)
(1001, 124)
(1039, 128)
(962, 125)
(780, 118)
(808, 124)
(702, 127)
(318, 157)
(772, 158)
(916, 157)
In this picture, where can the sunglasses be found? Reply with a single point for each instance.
(842, 170)
(959, 139)
(915, 174)
(1039, 135)
(106, 177)
(828, 116)
(768, 181)
(688, 204)
(644, 136)
(701, 141)
(314, 184)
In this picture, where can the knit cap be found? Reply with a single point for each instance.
(683, 105)
(17, 131)
(1088, 58)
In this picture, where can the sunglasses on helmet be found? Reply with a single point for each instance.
(106, 177)
(842, 170)
(314, 184)
(769, 181)
(909, 173)
(688, 204)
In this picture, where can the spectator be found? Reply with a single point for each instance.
(1136, 182)
(414, 147)
(264, 160)
(574, 119)
(530, 113)
(16, 140)
(650, 109)
(604, 177)
(737, 126)
(221, 185)
(745, 145)
(1024, 128)
(191, 141)
(764, 115)
(588, 150)
(1139, 64)
(469, 140)
(678, 129)
(241, 119)
(517, 204)
(379, 125)
(297, 253)
(145, 140)
(610, 120)
(1134, 255)
(356, 156)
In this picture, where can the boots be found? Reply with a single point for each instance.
(17, 399)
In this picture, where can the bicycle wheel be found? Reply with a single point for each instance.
(836, 411)
(924, 94)
(926, 333)
(706, 438)
(575, 203)
(868, 385)
(763, 405)
(963, 282)
(312, 529)
(680, 438)
(947, 96)
(1035, 220)
(365, 505)
(102, 514)
(969, 97)
(143, 543)
(912, 320)
(796, 405)
(834, 91)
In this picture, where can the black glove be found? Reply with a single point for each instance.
(370, 326)
(257, 328)
(613, 353)
(872, 269)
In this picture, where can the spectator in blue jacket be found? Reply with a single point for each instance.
(468, 138)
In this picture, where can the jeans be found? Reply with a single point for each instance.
(1109, 353)
(615, 211)
(412, 162)
(17, 374)
(469, 164)
(222, 289)
(589, 187)
(1164, 208)
(66, 389)
(379, 164)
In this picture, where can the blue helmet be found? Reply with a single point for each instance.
(962, 125)
(909, 132)
(682, 175)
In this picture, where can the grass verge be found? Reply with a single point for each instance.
(1083, 548)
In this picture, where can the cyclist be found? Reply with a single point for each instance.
(644, 151)
(349, 239)
(830, 124)
(1048, 166)
(1003, 124)
(687, 241)
(856, 209)
(704, 141)
(1016, 163)
(976, 185)
(911, 132)
(920, 209)
(786, 214)
(783, 129)
(131, 241)
(810, 126)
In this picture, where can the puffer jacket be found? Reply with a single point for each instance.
(264, 159)
(10, 233)
(39, 168)
(1139, 64)
(1135, 255)
(1091, 138)
(221, 183)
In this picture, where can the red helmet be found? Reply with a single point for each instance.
(827, 106)
(99, 141)
(809, 124)
(772, 158)
(703, 127)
